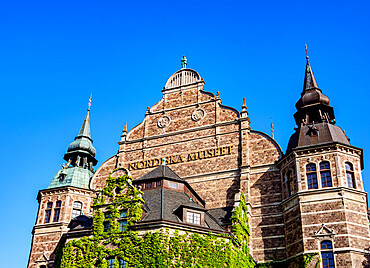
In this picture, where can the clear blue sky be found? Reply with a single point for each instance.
(55, 53)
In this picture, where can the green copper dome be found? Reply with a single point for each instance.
(72, 176)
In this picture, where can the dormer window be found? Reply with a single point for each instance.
(193, 217)
(173, 185)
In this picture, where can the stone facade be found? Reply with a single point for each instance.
(214, 149)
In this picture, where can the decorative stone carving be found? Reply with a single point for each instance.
(198, 114)
(164, 121)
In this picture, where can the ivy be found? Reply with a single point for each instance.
(163, 248)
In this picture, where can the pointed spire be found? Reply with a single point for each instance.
(85, 128)
(309, 78)
(244, 106)
(124, 132)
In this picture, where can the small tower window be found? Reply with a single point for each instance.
(350, 175)
(58, 205)
(311, 176)
(327, 255)
(289, 182)
(325, 174)
(77, 209)
(48, 212)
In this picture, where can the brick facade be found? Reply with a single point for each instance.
(214, 149)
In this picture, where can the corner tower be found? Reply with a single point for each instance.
(324, 202)
(67, 197)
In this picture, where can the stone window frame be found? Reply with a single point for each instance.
(325, 170)
(314, 172)
(350, 172)
(289, 183)
(75, 208)
(48, 210)
(57, 209)
(185, 213)
(326, 250)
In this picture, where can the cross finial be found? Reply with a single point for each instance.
(89, 105)
(184, 62)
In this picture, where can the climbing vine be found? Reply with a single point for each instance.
(114, 244)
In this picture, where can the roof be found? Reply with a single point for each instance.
(163, 204)
(161, 172)
(73, 176)
(325, 133)
(80, 222)
(222, 215)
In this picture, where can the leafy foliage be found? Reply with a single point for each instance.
(163, 248)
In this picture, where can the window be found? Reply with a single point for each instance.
(111, 263)
(350, 175)
(48, 212)
(327, 255)
(173, 185)
(107, 215)
(58, 204)
(148, 185)
(77, 208)
(158, 183)
(311, 176)
(122, 221)
(193, 217)
(289, 182)
(106, 227)
(122, 263)
(325, 174)
(122, 224)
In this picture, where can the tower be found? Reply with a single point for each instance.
(67, 197)
(324, 202)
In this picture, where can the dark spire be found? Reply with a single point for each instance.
(81, 152)
(313, 106)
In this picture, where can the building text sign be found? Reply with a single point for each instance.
(174, 159)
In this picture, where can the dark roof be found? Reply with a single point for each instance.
(324, 133)
(161, 172)
(163, 204)
(222, 215)
(81, 222)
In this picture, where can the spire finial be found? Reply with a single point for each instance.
(305, 46)
(272, 129)
(164, 160)
(184, 62)
(125, 128)
(89, 105)
(244, 106)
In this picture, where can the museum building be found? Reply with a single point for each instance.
(192, 157)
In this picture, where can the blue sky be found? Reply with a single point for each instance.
(55, 53)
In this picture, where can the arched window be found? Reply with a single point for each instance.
(350, 175)
(325, 174)
(49, 206)
(289, 182)
(311, 176)
(327, 255)
(77, 209)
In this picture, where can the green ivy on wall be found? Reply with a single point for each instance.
(163, 248)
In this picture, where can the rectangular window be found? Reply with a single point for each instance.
(76, 213)
(350, 180)
(47, 216)
(56, 214)
(148, 185)
(58, 204)
(327, 259)
(325, 178)
(173, 185)
(158, 183)
(111, 263)
(106, 226)
(107, 215)
(123, 213)
(312, 181)
(193, 217)
(122, 225)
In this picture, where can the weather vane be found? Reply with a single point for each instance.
(89, 105)
(184, 62)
